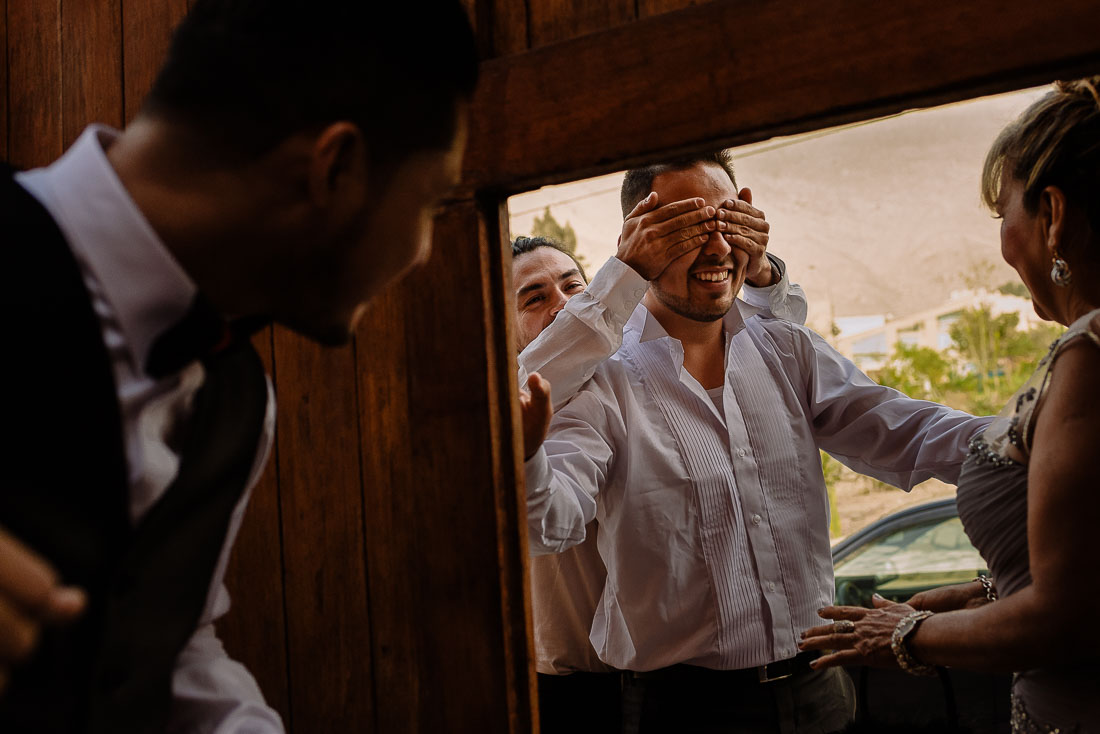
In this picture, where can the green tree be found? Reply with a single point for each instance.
(919, 372)
(992, 345)
(1014, 288)
(547, 226)
(831, 469)
(991, 359)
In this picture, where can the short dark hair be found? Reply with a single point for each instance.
(243, 75)
(638, 182)
(522, 245)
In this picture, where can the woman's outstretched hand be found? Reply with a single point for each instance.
(855, 635)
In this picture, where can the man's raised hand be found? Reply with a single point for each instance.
(743, 227)
(654, 236)
(30, 596)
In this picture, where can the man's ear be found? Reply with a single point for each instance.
(338, 166)
(1052, 218)
(745, 195)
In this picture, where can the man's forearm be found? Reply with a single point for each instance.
(557, 514)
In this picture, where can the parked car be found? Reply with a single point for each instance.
(904, 553)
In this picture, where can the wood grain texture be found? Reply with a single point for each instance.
(5, 88)
(552, 21)
(91, 66)
(34, 76)
(254, 630)
(648, 8)
(507, 20)
(500, 26)
(731, 73)
(443, 534)
(391, 515)
(506, 443)
(147, 34)
(328, 625)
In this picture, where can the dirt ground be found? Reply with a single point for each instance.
(862, 500)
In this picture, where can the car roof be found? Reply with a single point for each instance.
(910, 516)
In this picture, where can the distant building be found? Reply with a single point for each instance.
(869, 340)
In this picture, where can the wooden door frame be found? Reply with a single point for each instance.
(644, 91)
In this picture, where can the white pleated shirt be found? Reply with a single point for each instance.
(714, 528)
(566, 587)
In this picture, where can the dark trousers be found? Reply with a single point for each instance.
(703, 701)
(580, 703)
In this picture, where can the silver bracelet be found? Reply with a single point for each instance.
(905, 627)
(987, 584)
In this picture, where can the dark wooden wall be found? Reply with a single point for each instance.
(379, 580)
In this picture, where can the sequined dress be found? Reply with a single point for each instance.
(992, 501)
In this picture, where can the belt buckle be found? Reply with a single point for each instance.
(766, 677)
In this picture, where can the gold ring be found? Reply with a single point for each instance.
(844, 626)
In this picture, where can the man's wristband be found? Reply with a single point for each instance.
(775, 277)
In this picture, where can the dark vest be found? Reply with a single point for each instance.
(64, 493)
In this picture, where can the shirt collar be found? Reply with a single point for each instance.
(139, 278)
(648, 328)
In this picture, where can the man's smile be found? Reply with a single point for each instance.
(714, 276)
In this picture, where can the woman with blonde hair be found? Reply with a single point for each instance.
(1029, 492)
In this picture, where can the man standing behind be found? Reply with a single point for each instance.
(566, 328)
(696, 448)
(284, 167)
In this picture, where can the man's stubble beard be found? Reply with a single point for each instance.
(684, 306)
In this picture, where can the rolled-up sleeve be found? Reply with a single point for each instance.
(784, 300)
(566, 474)
(586, 332)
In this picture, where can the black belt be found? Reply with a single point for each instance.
(778, 670)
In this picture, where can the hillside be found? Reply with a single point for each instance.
(882, 217)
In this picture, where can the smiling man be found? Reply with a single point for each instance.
(695, 447)
(566, 328)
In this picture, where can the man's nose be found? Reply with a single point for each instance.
(559, 300)
(716, 246)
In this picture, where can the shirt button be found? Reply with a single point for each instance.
(639, 292)
(756, 519)
(771, 586)
(741, 453)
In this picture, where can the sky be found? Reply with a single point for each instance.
(880, 217)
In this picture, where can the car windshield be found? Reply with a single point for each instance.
(907, 561)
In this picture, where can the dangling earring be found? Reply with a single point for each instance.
(1059, 273)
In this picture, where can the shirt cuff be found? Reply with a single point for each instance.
(772, 297)
(617, 287)
(538, 472)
